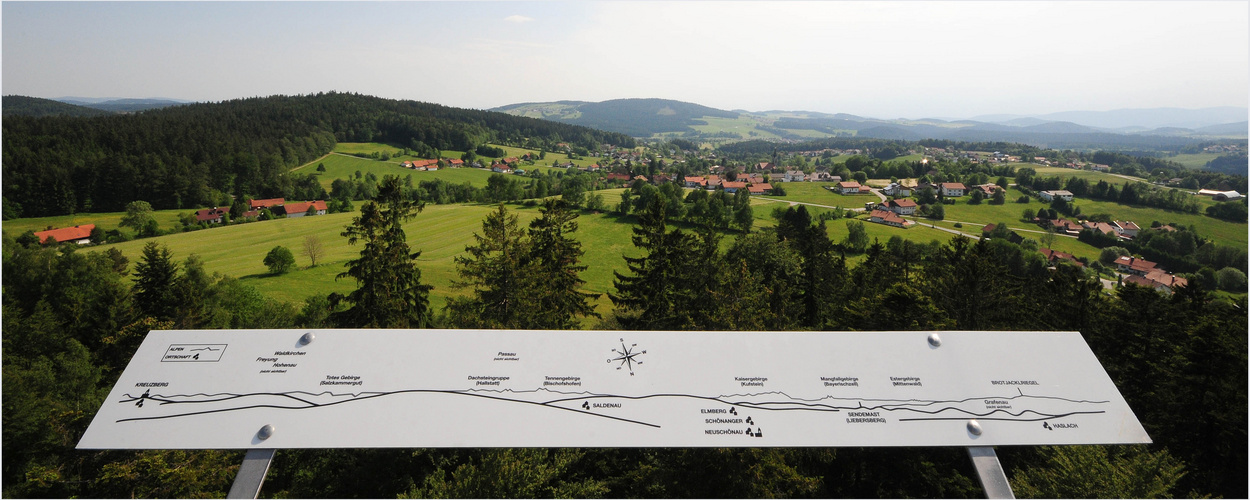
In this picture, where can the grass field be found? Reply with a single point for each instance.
(440, 232)
(815, 192)
(1090, 175)
(367, 147)
(1221, 232)
(345, 167)
(1193, 160)
(105, 221)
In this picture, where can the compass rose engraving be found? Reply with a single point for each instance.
(627, 357)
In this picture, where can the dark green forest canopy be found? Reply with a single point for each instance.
(198, 154)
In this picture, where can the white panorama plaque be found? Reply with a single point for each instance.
(216, 389)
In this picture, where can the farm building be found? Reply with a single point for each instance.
(1051, 195)
(888, 218)
(300, 209)
(77, 234)
(955, 189)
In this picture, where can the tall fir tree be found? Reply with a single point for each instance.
(648, 298)
(155, 278)
(558, 301)
(496, 270)
(390, 292)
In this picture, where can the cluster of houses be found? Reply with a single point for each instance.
(278, 206)
(1125, 230)
(799, 176)
(1148, 274)
(753, 183)
(432, 165)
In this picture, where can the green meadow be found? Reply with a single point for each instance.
(1221, 232)
(345, 167)
(1193, 160)
(1092, 176)
(441, 232)
(105, 221)
(816, 193)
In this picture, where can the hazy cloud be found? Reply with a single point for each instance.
(517, 18)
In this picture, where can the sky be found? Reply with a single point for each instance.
(892, 59)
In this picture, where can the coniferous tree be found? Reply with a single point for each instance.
(155, 275)
(496, 269)
(649, 297)
(558, 299)
(390, 293)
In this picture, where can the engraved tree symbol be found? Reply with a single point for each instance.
(627, 356)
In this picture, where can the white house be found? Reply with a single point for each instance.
(896, 189)
(955, 189)
(1125, 228)
(794, 176)
(1051, 195)
(848, 187)
(901, 207)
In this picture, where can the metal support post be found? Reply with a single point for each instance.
(990, 472)
(251, 473)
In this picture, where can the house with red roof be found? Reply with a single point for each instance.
(300, 208)
(695, 181)
(269, 203)
(1126, 229)
(1066, 226)
(1101, 227)
(848, 187)
(760, 188)
(988, 189)
(213, 215)
(1158, 280)
(1055, 255)
(77, 234)
(1131, 265)
(733, 187)
(955, 189)
(888, 218)
(901, 206)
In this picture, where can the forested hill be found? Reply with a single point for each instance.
(198, 154)
(20, 105)
(636, 117)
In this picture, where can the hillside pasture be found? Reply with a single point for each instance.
(1221, 232)
(345, 167)
(440, 232)
(1193, 160)
(106, 221)
(1092, 176)
(816, 193)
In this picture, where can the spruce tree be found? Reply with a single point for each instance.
(496, 270)
(649, 297)
(558, 299)
(154, 282)
(390, 293)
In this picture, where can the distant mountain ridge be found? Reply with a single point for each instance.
(1128, 129)
(122, 105)
(1148, 118)
(20, 105)
(636, 117)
